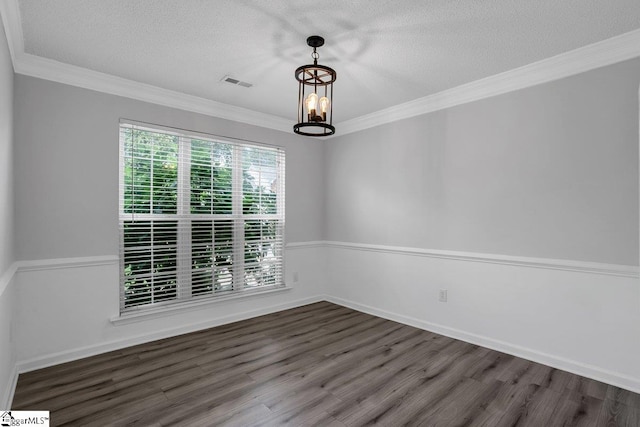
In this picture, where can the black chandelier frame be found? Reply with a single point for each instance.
(318, 79)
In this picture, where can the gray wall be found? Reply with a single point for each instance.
(67, 168)
(66, 185)
(7, 295)
(6, 155)
(550, 171)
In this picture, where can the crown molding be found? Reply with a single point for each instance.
(48, 69)
(10, 14)
(610, 51)
(606, 52)
(36, 66)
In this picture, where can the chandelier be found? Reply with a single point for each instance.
(315, 95)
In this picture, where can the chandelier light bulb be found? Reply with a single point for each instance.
(312, 104)
(324, 107)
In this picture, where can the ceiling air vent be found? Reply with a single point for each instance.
(237, 82)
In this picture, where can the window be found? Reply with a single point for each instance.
(199, 217)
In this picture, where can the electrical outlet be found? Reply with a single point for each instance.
(442, 295)
(296, 277)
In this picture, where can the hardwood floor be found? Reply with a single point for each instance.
(318, 365)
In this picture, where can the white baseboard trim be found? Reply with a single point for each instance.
(519, 261)
(92, 350)
(578, 368)
(7, 397)
(594, 372)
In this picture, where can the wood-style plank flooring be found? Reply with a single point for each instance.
(318, 365)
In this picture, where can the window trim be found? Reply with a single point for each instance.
(148, 313)
(179, 303)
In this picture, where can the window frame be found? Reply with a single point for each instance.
(184, 219)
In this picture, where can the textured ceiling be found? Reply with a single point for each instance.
(385, 52)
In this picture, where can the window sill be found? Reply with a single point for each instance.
(153, 313)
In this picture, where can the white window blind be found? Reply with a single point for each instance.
(199, 217)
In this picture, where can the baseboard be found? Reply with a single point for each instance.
(609, 377)
(7, 397)
(589, 371)
(80, 353)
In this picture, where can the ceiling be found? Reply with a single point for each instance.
(385, 52)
